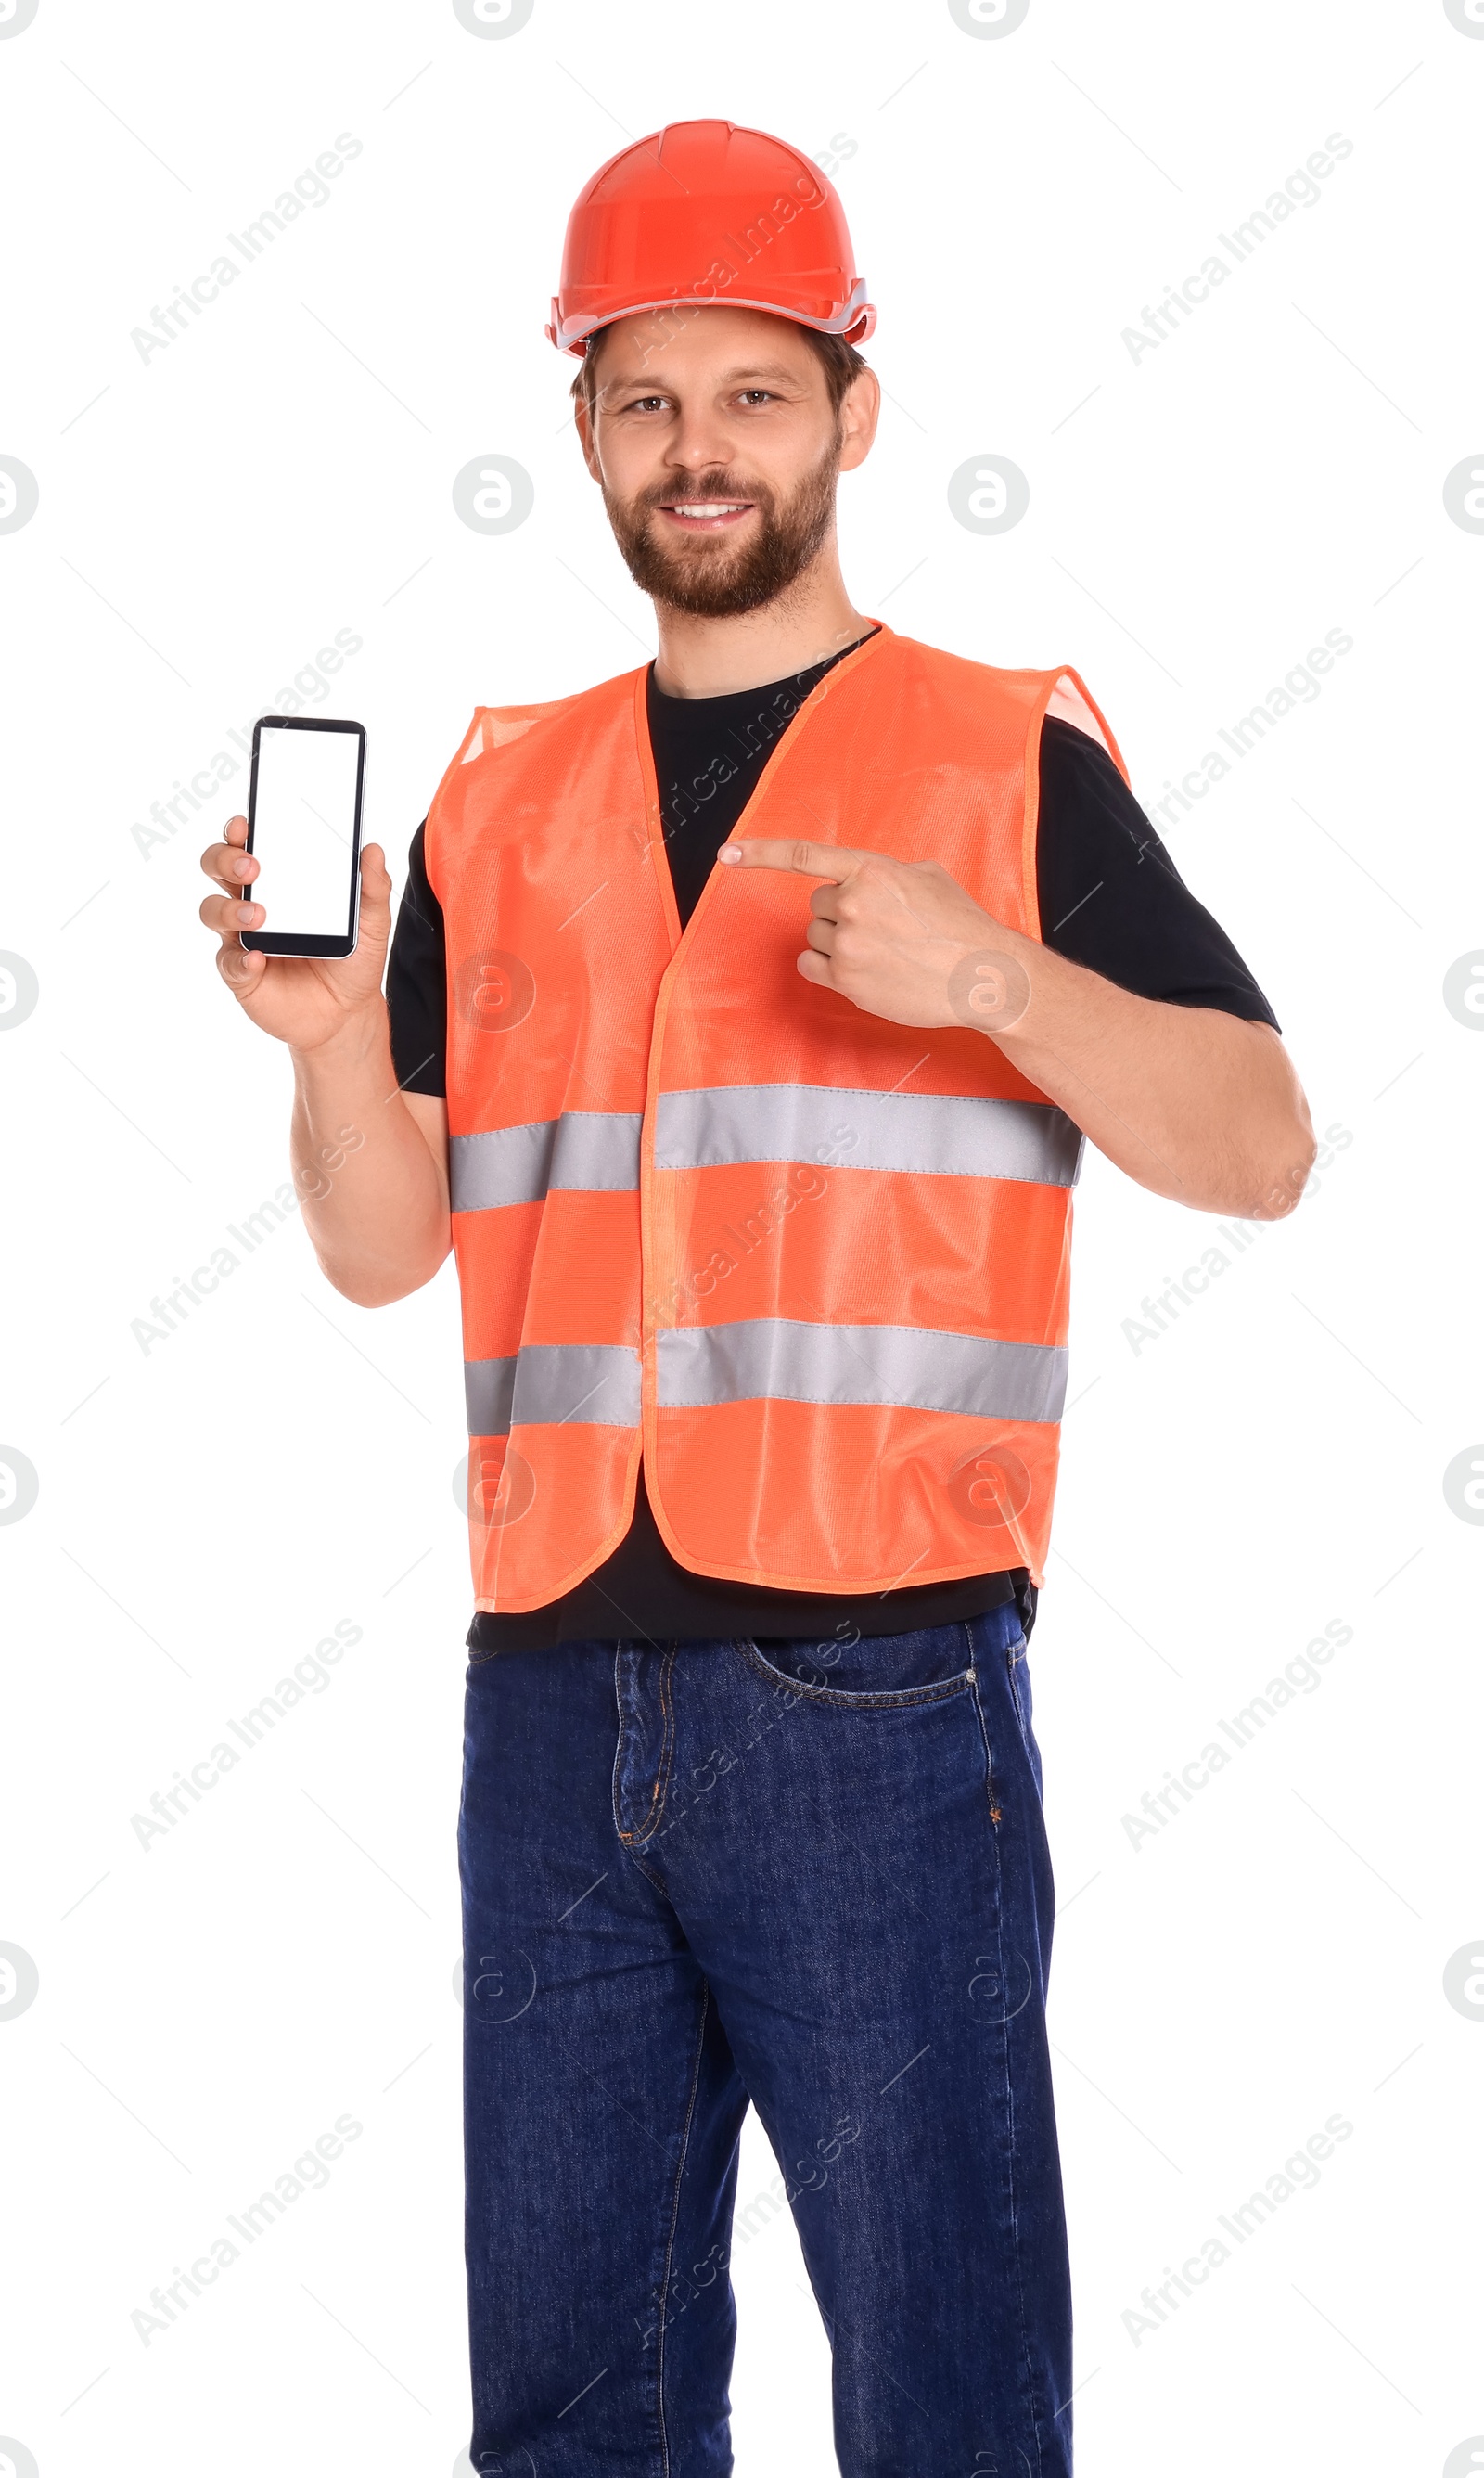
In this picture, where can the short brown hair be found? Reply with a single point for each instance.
(842, 364)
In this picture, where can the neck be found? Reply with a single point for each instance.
(814, 618)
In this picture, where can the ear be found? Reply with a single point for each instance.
(860, 410)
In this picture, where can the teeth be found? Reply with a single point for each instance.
(707, 507)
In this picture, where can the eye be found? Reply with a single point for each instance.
(757, 395)
(643, 403)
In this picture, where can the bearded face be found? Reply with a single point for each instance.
(720, 543)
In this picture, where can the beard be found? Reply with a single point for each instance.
(714, 578)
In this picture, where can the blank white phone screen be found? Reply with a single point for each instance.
(303, 823)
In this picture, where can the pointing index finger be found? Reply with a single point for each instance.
(832, 861)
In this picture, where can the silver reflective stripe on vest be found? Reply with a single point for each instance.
(549, 1382)
(944, 1134)
(910, 1366)
(583, 1148)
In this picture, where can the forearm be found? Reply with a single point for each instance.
(375, 1199)
(1193, 1104)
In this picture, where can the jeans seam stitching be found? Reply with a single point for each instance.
(668, 1743)
(1027, 2375)
(670, 2244)
(618, 1827)
(645, 1831)
(990, 1791)
(1023, 2369)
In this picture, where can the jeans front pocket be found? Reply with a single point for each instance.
(870, 1673)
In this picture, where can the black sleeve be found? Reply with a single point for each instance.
(416, 982)
(1111, 897)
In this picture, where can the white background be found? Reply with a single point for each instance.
(211, 1505)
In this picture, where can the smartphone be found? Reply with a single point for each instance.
(304, 828)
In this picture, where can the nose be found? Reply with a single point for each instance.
(701, 440)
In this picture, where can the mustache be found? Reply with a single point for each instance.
(711, 486)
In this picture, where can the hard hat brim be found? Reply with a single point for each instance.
(855, 321)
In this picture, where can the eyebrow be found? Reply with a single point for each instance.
(743, 370)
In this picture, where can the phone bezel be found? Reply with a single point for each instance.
(288, 941)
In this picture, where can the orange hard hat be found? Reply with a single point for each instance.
(704, 211)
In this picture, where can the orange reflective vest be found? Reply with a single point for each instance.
(811, 1265)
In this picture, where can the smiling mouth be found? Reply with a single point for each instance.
(706, 516)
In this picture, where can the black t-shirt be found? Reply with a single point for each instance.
(1110, 897)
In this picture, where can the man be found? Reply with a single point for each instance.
(745, 1014)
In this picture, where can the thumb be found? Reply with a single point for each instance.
(375, 889)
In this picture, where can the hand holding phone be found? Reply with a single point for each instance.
(303, 910)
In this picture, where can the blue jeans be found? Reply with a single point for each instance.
(811, 1876)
